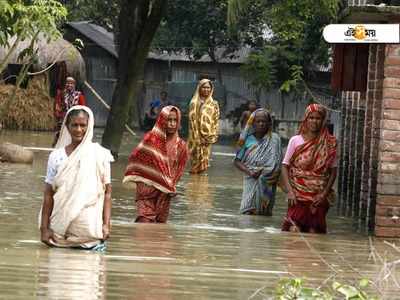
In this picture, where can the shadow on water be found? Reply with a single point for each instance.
(206, 251)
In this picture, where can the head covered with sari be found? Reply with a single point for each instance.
(250, 127)
(203, 118)
(79, 187)
(65, 137)
(150, 161)
(259, 154)
(311, 161)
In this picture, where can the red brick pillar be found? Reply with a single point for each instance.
(376, 136)
(387, 218)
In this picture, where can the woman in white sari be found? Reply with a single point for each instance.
(76, 208)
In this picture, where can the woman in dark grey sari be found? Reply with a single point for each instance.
(259, 158)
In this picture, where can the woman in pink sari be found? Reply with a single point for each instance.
(309, 172)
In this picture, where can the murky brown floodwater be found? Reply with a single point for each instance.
(206, 251)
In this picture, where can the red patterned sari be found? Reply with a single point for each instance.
(156, 165)
(309, 173)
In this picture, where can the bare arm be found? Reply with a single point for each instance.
(322, 196)
(238, 164)
(46, 234)
(331, 181)
(107, 212)
(285, 176)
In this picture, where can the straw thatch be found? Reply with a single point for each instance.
(58, 50)
(31, 109)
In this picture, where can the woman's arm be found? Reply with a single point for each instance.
(238, 164)
(46, 234)
(285, 176)
(107, 212)
(322, 196)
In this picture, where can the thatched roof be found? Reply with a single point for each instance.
(58, 50)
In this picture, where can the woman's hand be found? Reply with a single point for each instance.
(319, 199)
(291, 198)
(172, 195)
(106, 231)
(255, 174)
(47, 236)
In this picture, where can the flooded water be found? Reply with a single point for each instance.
(206, 251)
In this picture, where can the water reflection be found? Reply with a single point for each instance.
(153, 284)
(206, 251)
(199, 195)
(66, 274)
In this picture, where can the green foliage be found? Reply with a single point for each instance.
(296, 29)
(25, 18)
(199, 27)
(101, 12)
(291, 289)
(260, 69)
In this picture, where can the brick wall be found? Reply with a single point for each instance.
(387, 217)
(369, 171)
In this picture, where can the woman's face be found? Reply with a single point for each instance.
(261, 123)
(314, 122)
(205, 90)
(77, 127)
(172, 122)
(252, 106)
(70, 85)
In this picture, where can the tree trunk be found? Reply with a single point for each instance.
(138, 22)
(223, 101)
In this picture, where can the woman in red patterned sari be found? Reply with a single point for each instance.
(156, 165)
(309, 172)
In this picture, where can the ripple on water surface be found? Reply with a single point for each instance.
(206, 251)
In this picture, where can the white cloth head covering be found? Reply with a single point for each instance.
(79, 187)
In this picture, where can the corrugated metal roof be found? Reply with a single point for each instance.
(97, 34)
(105, 39)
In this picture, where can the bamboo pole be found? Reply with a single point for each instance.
(98, 97)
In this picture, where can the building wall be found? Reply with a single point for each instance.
(387, 218)
(101, 73)
(369, 181)
(180, 80)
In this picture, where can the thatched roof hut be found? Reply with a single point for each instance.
(49, 52)
(32, 107)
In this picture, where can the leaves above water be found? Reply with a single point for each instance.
(294, 288)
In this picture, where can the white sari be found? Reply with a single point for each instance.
(79, 188)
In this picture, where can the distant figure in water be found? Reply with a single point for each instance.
(251, 107)
(259, 158)
(309, 172)
(64, 100)
(156, 165)
(76, 208)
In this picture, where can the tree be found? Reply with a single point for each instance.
(101, 12)
(296, 45)
(199, 27)
(24, 20)
(137, 24)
